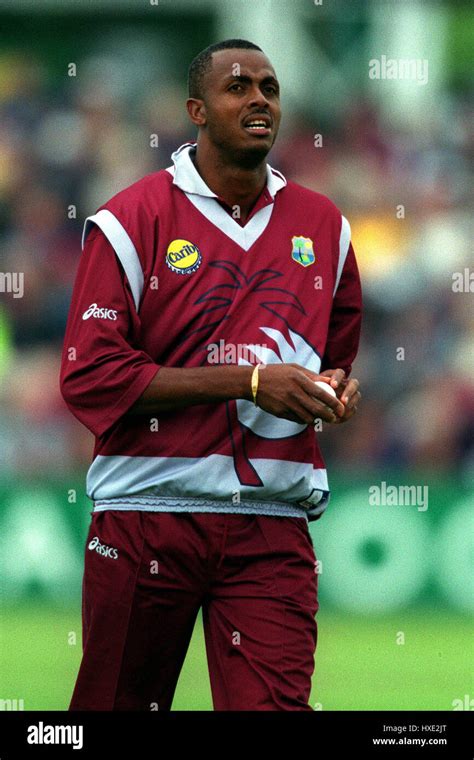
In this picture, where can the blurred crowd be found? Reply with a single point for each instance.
(66, 150)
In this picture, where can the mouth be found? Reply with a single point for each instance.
(259, 126)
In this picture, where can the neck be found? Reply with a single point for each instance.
(237, 184)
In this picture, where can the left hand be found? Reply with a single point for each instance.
(346, 390)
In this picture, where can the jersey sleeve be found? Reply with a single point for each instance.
(345, 321)
(103, 370)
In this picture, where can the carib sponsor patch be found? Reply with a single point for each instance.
(183, 257)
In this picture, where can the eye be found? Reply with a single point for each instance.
(235, 86)
(271, 88)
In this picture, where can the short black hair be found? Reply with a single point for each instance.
(202, 63)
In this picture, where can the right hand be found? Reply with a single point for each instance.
(288, 391)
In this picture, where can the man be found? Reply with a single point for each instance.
(209, 299)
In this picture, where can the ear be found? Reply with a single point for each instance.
(196, 111)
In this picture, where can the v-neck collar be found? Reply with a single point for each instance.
(187, 178)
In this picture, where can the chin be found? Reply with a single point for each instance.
(251, 156)
(246, 153)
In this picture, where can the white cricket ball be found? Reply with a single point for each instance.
(326, 387)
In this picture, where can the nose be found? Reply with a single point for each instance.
(257, 98)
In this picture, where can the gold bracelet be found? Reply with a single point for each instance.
(255, 383)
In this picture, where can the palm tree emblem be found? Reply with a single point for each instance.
(222, 302)
(302, 251)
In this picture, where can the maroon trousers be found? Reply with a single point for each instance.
(146, 576)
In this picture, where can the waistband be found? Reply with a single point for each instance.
(188, 504)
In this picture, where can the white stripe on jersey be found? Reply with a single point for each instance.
(344, 241)
(126, 252)
(174, 477)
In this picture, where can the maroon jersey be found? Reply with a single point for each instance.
(170, 277)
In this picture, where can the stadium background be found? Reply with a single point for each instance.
(396, 583)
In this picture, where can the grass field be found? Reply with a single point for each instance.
(359, 665)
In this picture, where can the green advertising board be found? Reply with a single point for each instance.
(382, 545)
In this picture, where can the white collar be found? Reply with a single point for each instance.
(188, 179)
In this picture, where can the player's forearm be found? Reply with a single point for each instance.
(177, 387)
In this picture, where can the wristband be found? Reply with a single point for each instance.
(255, 383)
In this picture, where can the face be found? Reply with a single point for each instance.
(240, 109)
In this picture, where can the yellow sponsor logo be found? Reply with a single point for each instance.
(183, 256)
